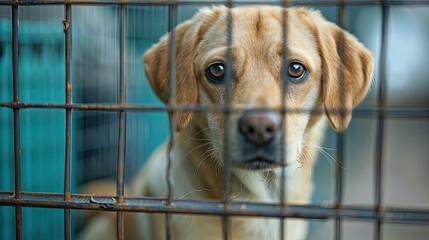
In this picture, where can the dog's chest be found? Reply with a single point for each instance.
(198, 227)
(267, 228)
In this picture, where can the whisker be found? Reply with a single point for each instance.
(271, 177)
(211, 152)
(238, 194)
(199, 190)
(306, 155)
(327, 148)
(194, 149)
(328, 156)
(198, 139)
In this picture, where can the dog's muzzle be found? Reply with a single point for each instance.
(258, 142)
(259, 127)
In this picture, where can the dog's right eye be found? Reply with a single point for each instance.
(297, 72)
(215, 73)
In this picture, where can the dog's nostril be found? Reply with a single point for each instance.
(251, 130)
(270, 129)
(259, 127)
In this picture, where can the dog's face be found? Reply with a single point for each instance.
(313, 76)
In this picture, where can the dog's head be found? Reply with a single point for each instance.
(326, 68)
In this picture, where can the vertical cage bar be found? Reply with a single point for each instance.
(67, 197)
(16, 121)
(226, 147)
(339, 183)
(339, 179)
(121, 137)
(380, 121)
(172, 14)
(283, 183)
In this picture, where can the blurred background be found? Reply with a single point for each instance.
(95, 74)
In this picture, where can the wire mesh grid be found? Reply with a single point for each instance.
(225, 208)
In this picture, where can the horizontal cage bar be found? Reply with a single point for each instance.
(151, 205)
(390, 112)
(184, 2)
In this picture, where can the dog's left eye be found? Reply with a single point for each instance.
(296, 72)
(215, 73)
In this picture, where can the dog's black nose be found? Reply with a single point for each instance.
(259, 127)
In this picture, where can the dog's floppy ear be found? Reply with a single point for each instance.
(347, 71)
(156, 61)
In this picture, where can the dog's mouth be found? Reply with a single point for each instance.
(257, 163)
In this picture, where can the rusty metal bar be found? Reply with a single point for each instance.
(171, 77)
(339, 182)
(67, 33)
(209, 3)
(172, 23)
(339, 179)
(16, 121)
(226, 228)
(380, 121)
(362, 112)
(216, 208)
(122, 127)
(283, 149)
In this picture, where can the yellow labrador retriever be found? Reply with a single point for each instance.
(319, 73)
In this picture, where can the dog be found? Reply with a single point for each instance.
(327, 72)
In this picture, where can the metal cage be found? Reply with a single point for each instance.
(337, 211)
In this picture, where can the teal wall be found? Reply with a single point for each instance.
(41, 71)
(95, 53)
